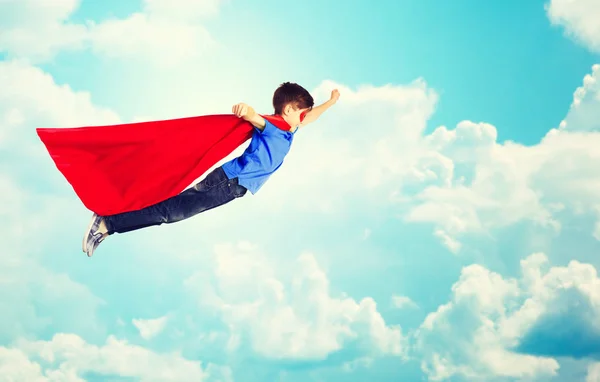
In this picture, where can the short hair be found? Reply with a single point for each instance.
(289, 92)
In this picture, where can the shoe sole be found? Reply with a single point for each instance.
(87, 233)
(101, 240)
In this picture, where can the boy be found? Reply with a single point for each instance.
(264, 155)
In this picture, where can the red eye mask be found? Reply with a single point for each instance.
(303, 114)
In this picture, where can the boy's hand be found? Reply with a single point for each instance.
(241, 110)
(335, 95)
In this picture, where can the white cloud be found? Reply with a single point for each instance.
(402, 302)
(461, 337)
(288, 312)
(495, 189)
(149, 39)
(584, 114)
(593, 372)
(334, 154)
(162, 33)
(492, 323)
(150, 327)
(449, 242)
(30, 98)
(189, 10)
(579, 18)
(33, 297)
(465, 182)
(16, 366)
(460, 180)
(37, 30)
(67, 357)
(559, 295)
(497, 185)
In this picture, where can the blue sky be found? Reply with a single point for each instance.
(483, 46)
(441, 222)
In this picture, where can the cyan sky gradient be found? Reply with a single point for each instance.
(431, 226)
(478, 55)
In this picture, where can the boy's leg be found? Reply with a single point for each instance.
(213, 191)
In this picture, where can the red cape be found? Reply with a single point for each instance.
(126, 167)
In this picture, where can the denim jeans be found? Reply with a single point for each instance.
(213, 191)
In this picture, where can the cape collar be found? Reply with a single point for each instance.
(278, 121)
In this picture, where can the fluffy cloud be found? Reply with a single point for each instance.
(35, 299)
(151, 327)
(492, 186)
(67, 357)
(30, 98)
(335, 155)
(579, 18)
(148, 38)
(584, 114)
(461, 337)
(190, 10)
(38, 30)
(402, 302)
(593, 373)
(164, 35)
(563, 304)
(16, 366)
(461, 180)
(495, 185)
(288, 312)
(513, 328)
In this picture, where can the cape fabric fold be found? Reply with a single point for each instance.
(126, 167)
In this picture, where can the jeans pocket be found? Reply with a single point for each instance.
(213, 179)
(234, 188)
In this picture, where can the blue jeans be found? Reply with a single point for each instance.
(214, 190)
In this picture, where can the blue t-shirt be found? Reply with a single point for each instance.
(262, 158)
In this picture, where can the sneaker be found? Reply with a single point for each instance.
(92, 237)
(94, 243)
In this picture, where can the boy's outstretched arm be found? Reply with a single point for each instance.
(316, 112)
(248, 113)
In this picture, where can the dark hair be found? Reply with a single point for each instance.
(289, 92)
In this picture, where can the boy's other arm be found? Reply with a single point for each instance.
(316, 112)
(248, 113)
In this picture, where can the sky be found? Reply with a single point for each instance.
(441, 222)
